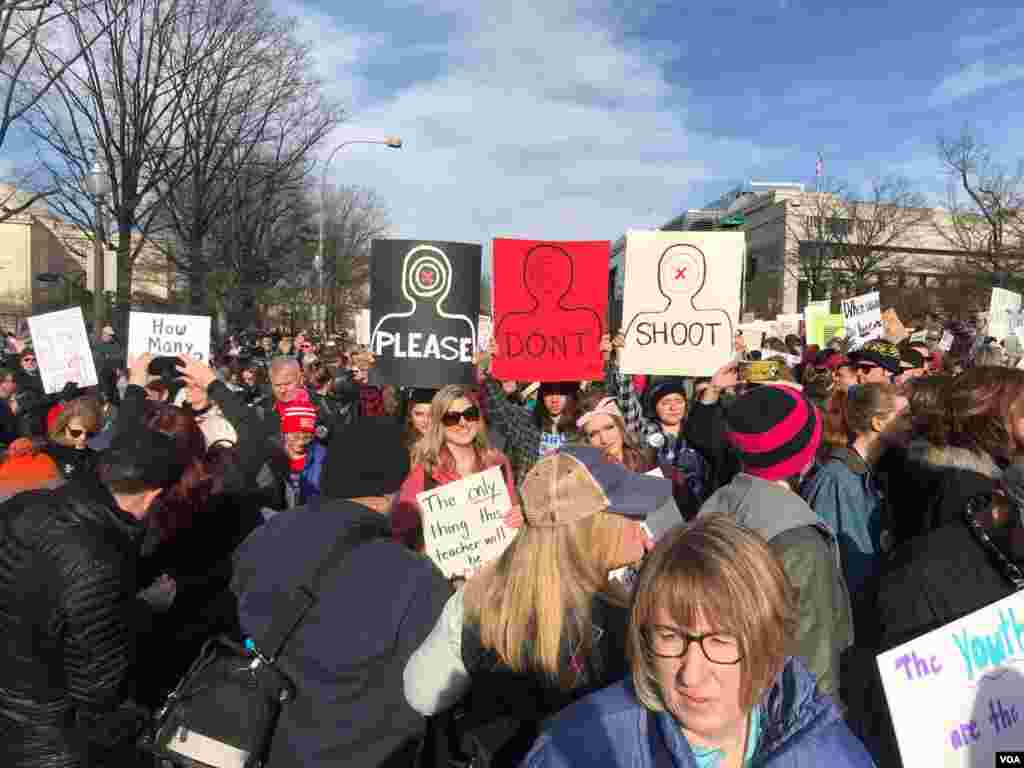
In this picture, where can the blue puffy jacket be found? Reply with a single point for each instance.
(799, 729)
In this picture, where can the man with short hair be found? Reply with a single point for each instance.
(375, 607)
(67, 593)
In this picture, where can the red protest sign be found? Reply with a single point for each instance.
(550, 300)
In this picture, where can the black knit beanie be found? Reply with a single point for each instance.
(367, 458)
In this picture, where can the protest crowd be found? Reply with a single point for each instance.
(427, 561)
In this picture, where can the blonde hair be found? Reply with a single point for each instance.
(538, 594)
(86, 409)
(717, 571)
(428, 449)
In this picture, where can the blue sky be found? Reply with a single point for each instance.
(558, 119)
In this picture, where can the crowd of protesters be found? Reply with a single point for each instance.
(703, 571)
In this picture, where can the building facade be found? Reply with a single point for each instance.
(36, 242)
(784, 222)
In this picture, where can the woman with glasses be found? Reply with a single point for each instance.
(454, 446)
(712, 682)
(69, 426)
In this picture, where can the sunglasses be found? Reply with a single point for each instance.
(77, 433)
(452, 418)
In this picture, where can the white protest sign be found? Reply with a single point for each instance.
(862, 318)
(462, 522)
(787, 325)
(62, 349)
(681, 302)
(956, 694)
(754, 334)
(1015, 331)
(1002, 301)
(362, 323)
(484, 332)
(169, 335)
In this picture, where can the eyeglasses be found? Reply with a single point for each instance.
(668, 643)
(77, 433)
(452, 418)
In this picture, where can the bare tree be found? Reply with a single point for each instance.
(354, 217)
(118, 102)
(985, 200)
(845, 244)
(251, 96)
(24, 25)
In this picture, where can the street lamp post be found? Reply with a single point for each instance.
(99, 186)
(395, 143)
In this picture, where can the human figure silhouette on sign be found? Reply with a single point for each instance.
(425, 330)
(682, 273)
(550, 334)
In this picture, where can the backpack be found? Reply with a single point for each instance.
(224, 711)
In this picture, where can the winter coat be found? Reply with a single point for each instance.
(809, 553)
(211, 421)
(798, 727)
(955, 475)
(67, 595)
(505, 704)
(69, 460)
(406, 520)
(346, 658)
(844, 494)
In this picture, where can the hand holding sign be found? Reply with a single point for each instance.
(465, 523)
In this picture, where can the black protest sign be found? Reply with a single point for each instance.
(424, 303)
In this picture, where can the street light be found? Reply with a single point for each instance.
(392, 141)
(98, 184)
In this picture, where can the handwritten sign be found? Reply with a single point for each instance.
(62, 349)
(1001, 302)
(682, 301)
(550, 301)
(823, 327)
(787, 325)
(955, 694)
(169, 335)
(862, 318)
(462, 522)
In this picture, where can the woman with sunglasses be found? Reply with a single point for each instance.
(454, 446)
(68, 429)
(713, 680)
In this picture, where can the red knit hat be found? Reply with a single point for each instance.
(24, 468)
(298, 418)
(775, 430)
(298, 414)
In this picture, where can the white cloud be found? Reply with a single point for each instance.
(542, 124)
(973, 78)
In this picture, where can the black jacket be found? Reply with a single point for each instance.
(70, 461)
(705, 431)
(67, 597)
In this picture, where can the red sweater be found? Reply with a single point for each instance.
(406, 522)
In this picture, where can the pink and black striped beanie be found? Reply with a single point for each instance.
(775, 430)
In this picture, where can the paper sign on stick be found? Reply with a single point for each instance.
(862, 318)
(62, 349)
(956, 694)
(424, 306)
(550, 300)
(682, 301)
(1002, 301)
(169, 335)
(462, 522)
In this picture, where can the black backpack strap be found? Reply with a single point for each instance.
(298, 602)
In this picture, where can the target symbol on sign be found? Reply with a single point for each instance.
(429, 275)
